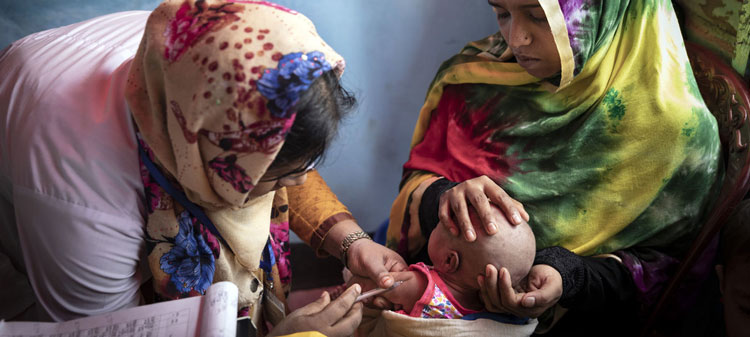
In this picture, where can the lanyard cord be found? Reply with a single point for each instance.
(268, 260)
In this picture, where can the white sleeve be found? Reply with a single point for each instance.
(80, 261)
(69, 166)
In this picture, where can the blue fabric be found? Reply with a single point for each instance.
(268, 256)
(178, 195)
(380, 233)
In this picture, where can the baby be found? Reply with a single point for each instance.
(449, 288)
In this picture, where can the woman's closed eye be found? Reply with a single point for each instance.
(534, 12)
(501, 13)
(536, 19)
(538, 16)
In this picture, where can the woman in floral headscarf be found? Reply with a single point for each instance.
(583, 118)
(229, 106)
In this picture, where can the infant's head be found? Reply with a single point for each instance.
(512, 247)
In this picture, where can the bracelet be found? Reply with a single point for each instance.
(347, 242)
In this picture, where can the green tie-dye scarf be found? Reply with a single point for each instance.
(617, 151)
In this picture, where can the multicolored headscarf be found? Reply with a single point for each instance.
(211, 90)
(617, 151)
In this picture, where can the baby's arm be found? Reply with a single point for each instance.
(404, 296)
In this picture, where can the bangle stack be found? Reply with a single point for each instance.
(347, 242)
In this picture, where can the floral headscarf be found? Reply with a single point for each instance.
(211, 90)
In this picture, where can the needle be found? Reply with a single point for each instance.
(377, 291)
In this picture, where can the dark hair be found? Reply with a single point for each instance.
(319, 111)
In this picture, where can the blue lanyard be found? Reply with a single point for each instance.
(268, 260)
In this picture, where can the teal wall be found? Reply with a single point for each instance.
(392, 48)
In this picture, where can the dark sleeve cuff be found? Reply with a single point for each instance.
(569, 265)
(589, 282)
(428, 207)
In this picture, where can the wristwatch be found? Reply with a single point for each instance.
(347, 242)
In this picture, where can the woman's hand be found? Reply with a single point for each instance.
(338, 318)
(375, 261)
(378, 302)
(541, 291)
(479, 192)
(364, 257)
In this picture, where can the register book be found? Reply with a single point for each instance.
(213, 315)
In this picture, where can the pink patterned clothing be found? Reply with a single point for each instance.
(437, 301)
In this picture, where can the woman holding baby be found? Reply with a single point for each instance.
(582, 118)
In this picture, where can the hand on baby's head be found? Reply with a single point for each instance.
(500, 219)
(512, 247)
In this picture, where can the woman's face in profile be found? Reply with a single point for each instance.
(523, 24)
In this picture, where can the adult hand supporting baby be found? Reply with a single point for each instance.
(375, 261)
(479, 192)
(364, 257)
(379, 301)
(542, 290)
(331, 318)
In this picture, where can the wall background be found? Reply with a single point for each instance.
(392, 48)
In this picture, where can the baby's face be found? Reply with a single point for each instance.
(439, 244)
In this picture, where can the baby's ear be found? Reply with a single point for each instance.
(448, 263)
(453, 262)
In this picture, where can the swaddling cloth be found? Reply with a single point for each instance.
(377, 323)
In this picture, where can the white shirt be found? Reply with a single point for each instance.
(72, 213)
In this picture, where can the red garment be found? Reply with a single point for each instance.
(458, 144)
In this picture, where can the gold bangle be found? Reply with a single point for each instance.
(347, 242)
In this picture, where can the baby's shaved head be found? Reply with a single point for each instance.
(512, 247)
